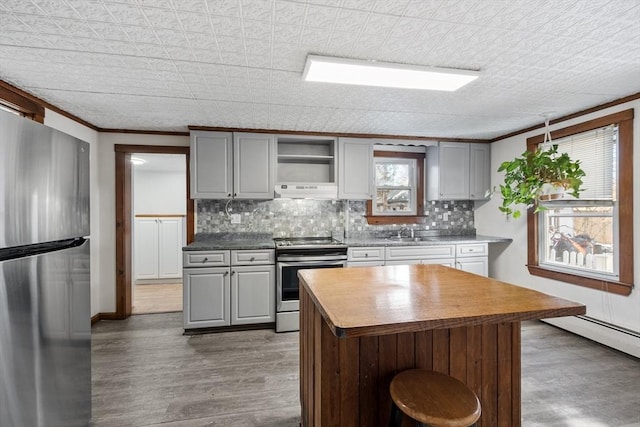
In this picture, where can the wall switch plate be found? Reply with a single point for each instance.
(236, 219)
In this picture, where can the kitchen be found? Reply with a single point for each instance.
(159, 114)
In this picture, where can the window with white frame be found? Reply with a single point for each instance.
(579, 234)
(395, 186)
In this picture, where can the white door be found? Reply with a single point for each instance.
(170, 247)
(146, 247)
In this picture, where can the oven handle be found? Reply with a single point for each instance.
(307, 260)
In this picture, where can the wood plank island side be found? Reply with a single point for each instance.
(360, 326)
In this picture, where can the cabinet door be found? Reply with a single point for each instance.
(365, 263)
(170, 243)
(479, 265)
(146, 248)
(254, 165)
(355, 171)
(253, 295)
(206, 297)
(479, 171)
(211, 163)
(454, 171)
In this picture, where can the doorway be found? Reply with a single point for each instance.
(159, 231)
(124, 218)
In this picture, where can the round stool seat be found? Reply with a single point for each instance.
(435, 399)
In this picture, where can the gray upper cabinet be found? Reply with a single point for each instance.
(211, 160)
(458, 171)
(253, 167)
(479, 171)
(232, 165)
(355, 169)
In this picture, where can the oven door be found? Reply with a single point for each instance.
(288, 293)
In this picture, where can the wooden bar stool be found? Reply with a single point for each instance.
(433, 399)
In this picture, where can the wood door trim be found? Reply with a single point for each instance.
(124, 216)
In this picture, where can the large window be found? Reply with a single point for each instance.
(399, 188)
(586, 241)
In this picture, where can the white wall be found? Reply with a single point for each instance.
(106, 195)
(62, 123)
(160, 193)
(508, 262)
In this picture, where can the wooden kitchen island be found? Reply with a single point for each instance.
(360, 326)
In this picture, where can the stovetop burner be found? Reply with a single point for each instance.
(311, 242)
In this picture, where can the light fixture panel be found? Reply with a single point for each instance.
(384, 74)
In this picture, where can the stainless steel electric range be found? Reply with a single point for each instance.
(293, 255)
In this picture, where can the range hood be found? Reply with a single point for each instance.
(306, 191)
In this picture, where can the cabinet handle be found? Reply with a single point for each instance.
(229, 195)
(226, 273)
(470, 249)
(366, 255)
(235, 194)
(205, 259)
(442, 194)
(252, 258)
(233, 273)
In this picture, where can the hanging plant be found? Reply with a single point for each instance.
(528, 176)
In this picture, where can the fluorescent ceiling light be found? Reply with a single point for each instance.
(385, 74)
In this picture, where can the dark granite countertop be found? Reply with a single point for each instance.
(424, 241)
(230, 241)
(235, 241)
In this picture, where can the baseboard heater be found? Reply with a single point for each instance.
(611, 326)
(614, 336)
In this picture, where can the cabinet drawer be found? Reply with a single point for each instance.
(365, 254)
(472, 249)
(420, 252)
(253, 257)
(205, 258)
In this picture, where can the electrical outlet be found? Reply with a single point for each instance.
(236, 219)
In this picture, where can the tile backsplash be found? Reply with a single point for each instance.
(302, 217)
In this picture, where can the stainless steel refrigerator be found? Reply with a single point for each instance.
(45, 315)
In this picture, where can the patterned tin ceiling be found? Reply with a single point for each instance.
(166, 64)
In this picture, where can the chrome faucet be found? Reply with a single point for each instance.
(410, 230)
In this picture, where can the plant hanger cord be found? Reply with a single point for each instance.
(546, 143)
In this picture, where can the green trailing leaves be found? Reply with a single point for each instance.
(526, 175)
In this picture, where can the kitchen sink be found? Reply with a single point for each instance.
(412, 239)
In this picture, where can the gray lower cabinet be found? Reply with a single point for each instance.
(434, 254)
(253, 294)
(223, 288)
(473, 257)
(365, 256)
(207, 297)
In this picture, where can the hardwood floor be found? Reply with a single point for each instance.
(157, 298)
(146, 373)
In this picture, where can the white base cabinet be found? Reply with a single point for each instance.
(158, 247)
(470, 257)
(434, 254)
(473, 257)
(225, 288)
(365, 256)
